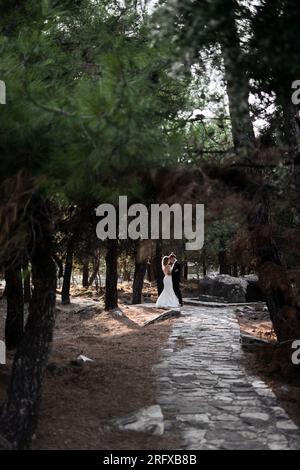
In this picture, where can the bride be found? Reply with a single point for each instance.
(167, 298)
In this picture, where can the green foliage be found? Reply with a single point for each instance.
(91, 104)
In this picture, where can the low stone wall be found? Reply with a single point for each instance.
(231, 289)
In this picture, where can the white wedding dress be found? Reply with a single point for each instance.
(168, 297)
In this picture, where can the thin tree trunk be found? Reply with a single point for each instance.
(235, 270)
(149, 272)
(98, 283)
(138, 281)
(204, 267)
(14, 325)
(26, 281)
(223, 262)
(65, 293)
(159, 272)
(95, 272)
(60, 266)
(19, 414)
(152, 269)
(185, 270)
(111, 285)
(85, 274)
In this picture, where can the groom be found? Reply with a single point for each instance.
(176, 272)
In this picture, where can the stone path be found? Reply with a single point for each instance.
(206, 395)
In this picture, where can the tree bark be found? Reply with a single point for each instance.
(85, 274)
(237, 84)
(60, 266)
(185, 270)
(204, 267)
(19, 413)
(238, 96)
(151, 269)
(224, 269)
(111, 284)
(291, 127)
(273, 279)
(26, 281)
(159, 272)
(14, 325)
(138, 281)
(235, 270)
(65, 293)
(149, 272)
(95, 272)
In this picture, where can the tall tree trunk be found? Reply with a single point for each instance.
(85, 274)
(26, 281)
(291, 129)
(138, 280)
(149, 272)
(185, 270)
(65, 293)
(238, 96)
(159, 272)
(237, 84)
(273, 279)
(18, 417)
(126, 276)
(204, 267)
(223, 266)
(60, 266)
(235, 270)
(14, 325)
(111, 284)
(152, 269)
(291, 137)
(95, 272)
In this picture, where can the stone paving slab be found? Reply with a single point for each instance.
(205, 394)
(219, 304)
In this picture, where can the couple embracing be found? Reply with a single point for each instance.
(171, 294)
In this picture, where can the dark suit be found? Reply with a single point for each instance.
(176, 275)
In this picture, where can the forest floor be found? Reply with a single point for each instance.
(79, 401)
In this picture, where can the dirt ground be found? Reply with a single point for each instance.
(188, 288)
(79, 402)
(270, 361)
